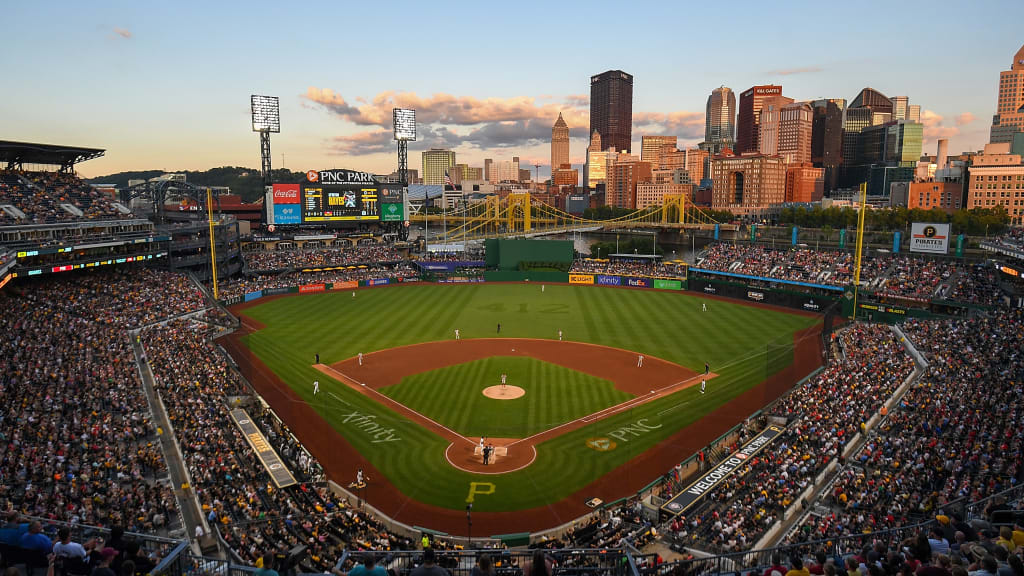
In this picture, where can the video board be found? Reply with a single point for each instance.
(340, 196)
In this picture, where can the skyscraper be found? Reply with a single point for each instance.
(623, 173)
(559, 144)
(749, 119)
(768, 129)
(611, 109)
(436, 162)
(650, 147)
(720, 120)
(827, 138)
(594, 171)
(795, 125)
(1009, 117)
(900, 107)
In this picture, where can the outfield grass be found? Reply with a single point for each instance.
(453, 396)
(732, 338)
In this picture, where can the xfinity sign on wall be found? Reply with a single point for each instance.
(929, 238)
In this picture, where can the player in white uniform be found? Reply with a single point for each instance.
(703, 384)
(360, 358)
(316, 387)
(457, 334)
(559, 335)
(503, 377)
(704, 307)
(640, 361)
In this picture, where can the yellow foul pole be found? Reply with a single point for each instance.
(213, 244)
(860, 243)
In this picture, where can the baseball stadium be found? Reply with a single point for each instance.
(797, 351)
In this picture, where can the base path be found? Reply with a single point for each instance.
(340, 460)
(655, 379)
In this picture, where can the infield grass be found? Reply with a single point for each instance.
(741, 344)
(453, 396)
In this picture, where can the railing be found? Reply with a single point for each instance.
(575, 562)
(158, 548)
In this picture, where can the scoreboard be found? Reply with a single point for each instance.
(333, 196)
(339, 203)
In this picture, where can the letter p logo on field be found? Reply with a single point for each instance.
(479, 488)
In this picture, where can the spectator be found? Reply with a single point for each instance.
(429, 566)
(266, 568)
(368, 567)
(107, 556)
(65, 548)
(34, 539)
(483, 567)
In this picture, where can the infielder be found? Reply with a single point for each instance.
(503, 377)
(316, 387)
(559, 335)
(703, 384)
(359, 477)
(640, 361)
(360, 358)
(457, 334)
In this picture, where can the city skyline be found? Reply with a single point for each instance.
(156, 102)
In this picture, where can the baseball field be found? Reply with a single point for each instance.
(587, 422)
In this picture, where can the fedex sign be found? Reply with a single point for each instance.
(286, 194)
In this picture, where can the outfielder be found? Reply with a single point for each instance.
(316, 387)
(703, 384)
(559, 335)
(457, 334)
(704, 307)
(640, 361)
(353, 294)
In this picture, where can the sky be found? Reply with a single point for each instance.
(166, 85)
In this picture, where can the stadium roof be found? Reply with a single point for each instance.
(15, 154)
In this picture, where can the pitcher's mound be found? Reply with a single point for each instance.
(503, 392)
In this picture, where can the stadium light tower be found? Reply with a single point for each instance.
(405, 131)
(266, 119)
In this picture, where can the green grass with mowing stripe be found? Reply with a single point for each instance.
(733, 338)
(453, 396)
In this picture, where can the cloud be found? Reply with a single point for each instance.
(964, 119)
(443, 108)
(448, 121)
(123, 33)
(791, 71)
(934, 127)
(685, 124)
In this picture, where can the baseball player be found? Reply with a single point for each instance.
(503, 377)
(353, 294)
(640, 361)
(457, 334)
(359, 477)
(360, 358)
(481, 444)
(703, 385)
(317, 358)
(704, 307)
(316, 387)
(559, 335)
(541, 287)
(707, 369)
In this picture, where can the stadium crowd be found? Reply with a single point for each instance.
(197, 386)
(896, 275)
(241, 285)
(39, 196)
(78, 444)
(320, 257)
(627, 267)
(824, 414)
(955, 436)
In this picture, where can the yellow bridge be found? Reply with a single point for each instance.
(520, 214)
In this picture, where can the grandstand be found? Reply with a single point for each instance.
(117, 414)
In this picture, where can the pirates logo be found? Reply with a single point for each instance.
(930, 231)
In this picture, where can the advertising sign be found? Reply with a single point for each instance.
(694, 492)
(392, 212)
(287, 214)
(378, 281)
(929, 238)
(581, 278)
(755, 295)
(308, 288)
(641, 282)
(667, 284)
(345, 285)
(608, 280)
(286, 194)
(253, 295)
(268, 457)
(390, 195)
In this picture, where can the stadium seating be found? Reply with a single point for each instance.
(41, 196)
(319, 258)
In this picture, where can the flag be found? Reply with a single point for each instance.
(448, 181)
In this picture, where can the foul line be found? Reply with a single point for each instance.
(639, 400)
(361, 387)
